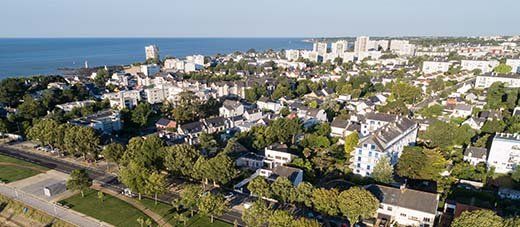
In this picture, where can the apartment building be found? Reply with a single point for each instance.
(504, 154)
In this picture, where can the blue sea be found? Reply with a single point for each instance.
(34, 56)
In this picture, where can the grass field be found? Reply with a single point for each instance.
(167, 212)
(112, 210)
(12, 169)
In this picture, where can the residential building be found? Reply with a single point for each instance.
(278, 154)
(122, 99)
(339, 47)
(406, 207)
(361, 44)
(515, 65)
(462, 110)
(388, 140)
(504, 154)
(106, 121)
(435, 66)
(149, 70)
(320, 48)
(152, 52)
(509, 80)
(483, 66)
(231, 108)
(292, 55)
(69, 106)
(402, 47)
(475, 155)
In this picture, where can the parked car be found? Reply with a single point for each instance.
(229, 195)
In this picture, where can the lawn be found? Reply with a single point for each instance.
(12, 169)
(112, 210)
(167, 212)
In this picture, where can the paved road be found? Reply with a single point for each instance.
(51, 209)
(107, 180)
(428, 100)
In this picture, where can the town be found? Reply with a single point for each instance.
(357, 131)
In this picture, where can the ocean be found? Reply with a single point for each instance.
(35, 56)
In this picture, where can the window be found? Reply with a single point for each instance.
(370, 154)
(377, 155)
(403, 215)
(389, 208)
(381, 206)
(426, 220)
(359, 159)
(368, 167)
(360, 152)
(373, 147)
(359, 165)
(365, 145)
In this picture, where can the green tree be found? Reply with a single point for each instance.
(357, 203)
(82, 141)
(256, 215)
(148, 152)
(383, 172)
(325, 201)
(502, 68)
(421, 164)
(221, 169)
(134, 176)
(406, 92)
(282, 189)
(304, 193)
(79, 181)
(351, 142)
(155, 184)
(190, 194)
(141, 114)
(101, 196)
(113, 152)
(180, 159)
(280, 218)
(212, 205)
(305, 222)
(206, 141)
(259, 186)
(478, 218)
(493, 126)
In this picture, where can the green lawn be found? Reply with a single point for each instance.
(14, 169)
(112, 210)
(167, 212)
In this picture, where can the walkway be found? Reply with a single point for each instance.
(62, 213)
(157, 218)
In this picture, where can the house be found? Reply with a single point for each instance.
(504, 153)
(278, 154)
(405, 206)
(253, 114)
(231, 108)
(295, 175)
(434, 66)
(122, 99)
(474, 123)
(462, 110)
(375, 121)
(107, 121)
(509, 80)
(69, 106)
(191, 130)
(165, 124)
(475, 155)
(342, 128)
(250, 161)
(215, 124)
(265, 103)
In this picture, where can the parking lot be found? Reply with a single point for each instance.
(35, 185)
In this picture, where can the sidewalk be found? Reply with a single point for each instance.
(62, 213)
(157, 218)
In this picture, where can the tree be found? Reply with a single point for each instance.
(79, 181)
(304, 193)
(156, 184)
(495, 95)
(325, 201)
(180, 159)
(406, 92)
(113, 152)
(421, 164)
(282, 189)
(190, 194)
(146, 151)
(493, 126)
(101, 196)
(351, 141)
(357, 203)
(477, 218)
(516, 175)
(280, 218)
(221, 169)
(305, 222)
(206, 141)
(445, 134)
(134, 176)
(256, 215)
(395, 107)
(141, 114)
(383, 172)
(82, 141)
(502, 68)
(259, 186)
(212, 205)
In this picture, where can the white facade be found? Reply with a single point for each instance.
(292, 55)
(149, 70)
(361, 44)
(320, 48)
(484, 66)
(510, 80)
(310, 55)
(152, 52)
(278, 157)
(435, 66)
(504, 154)
(515, 65)
(339, 47)
(122, 99)
(402, 47)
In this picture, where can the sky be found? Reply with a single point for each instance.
(257, 18)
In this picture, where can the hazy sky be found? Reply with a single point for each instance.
(256, 18)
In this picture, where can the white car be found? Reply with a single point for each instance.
(229, 195)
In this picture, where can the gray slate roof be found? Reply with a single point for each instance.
(407, 198)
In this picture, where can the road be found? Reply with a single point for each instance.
(51, 209)
(107, 180)
(430, 99)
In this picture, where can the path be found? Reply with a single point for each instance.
(62, 213)
(157, 218)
